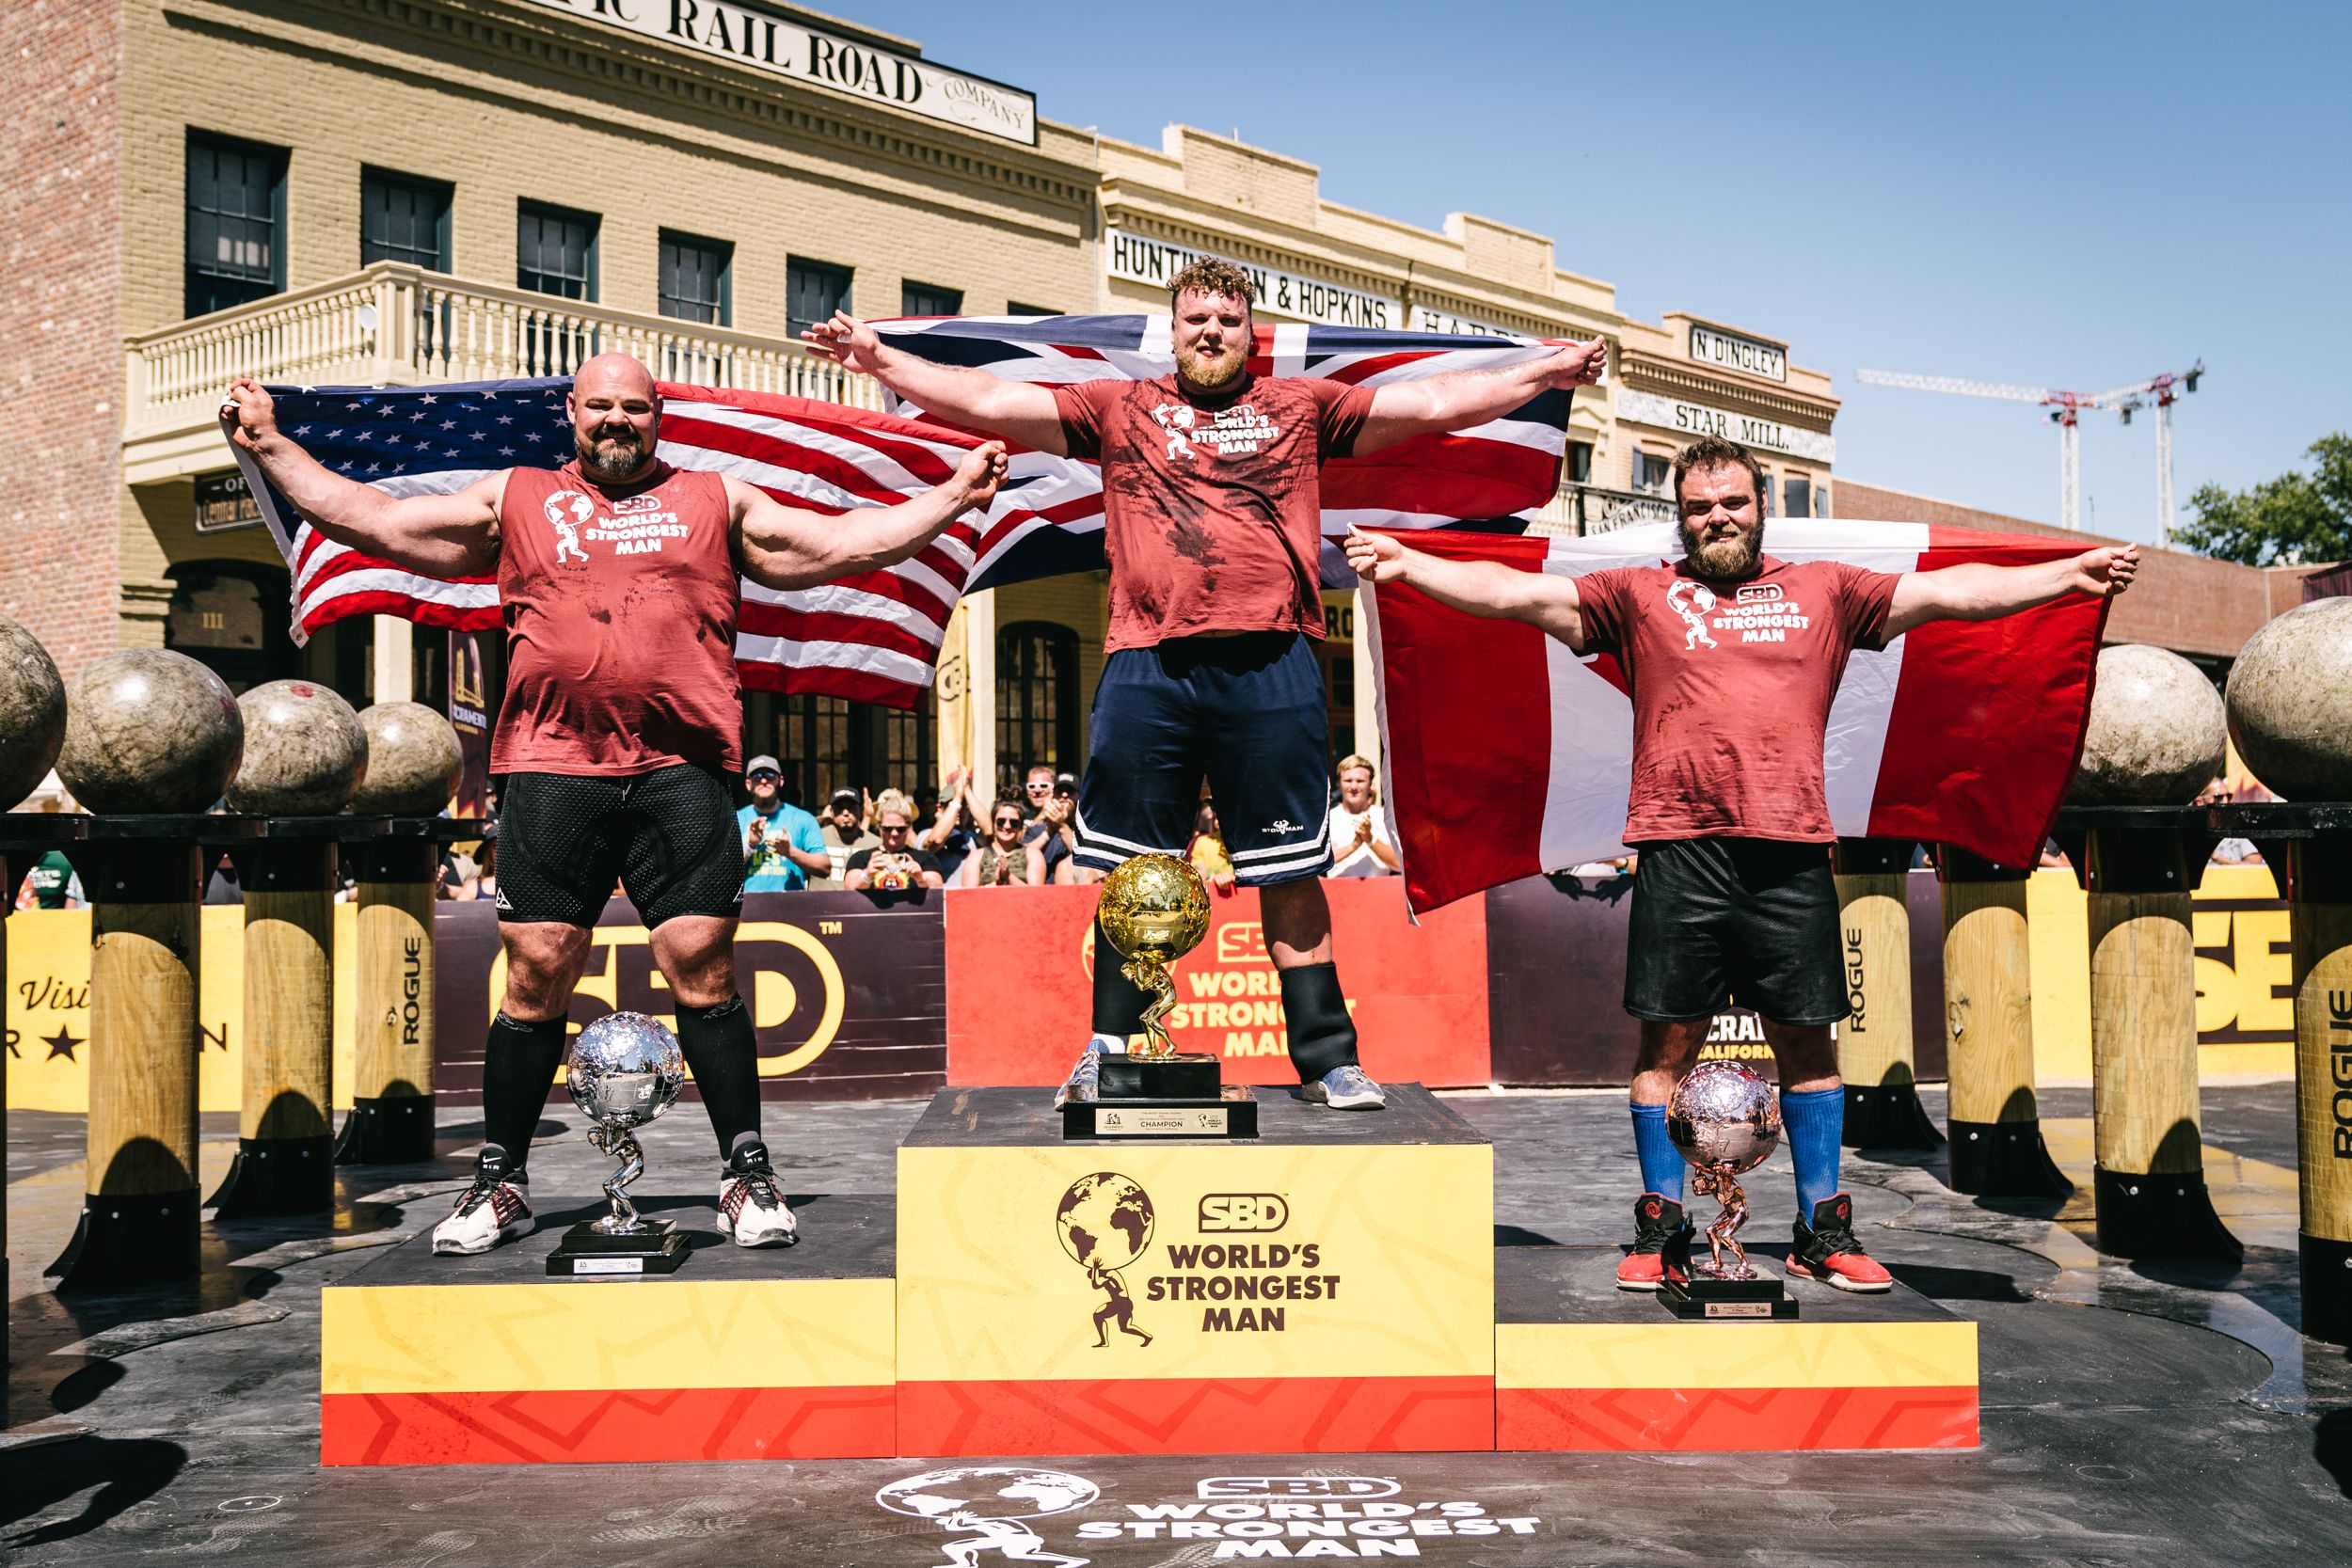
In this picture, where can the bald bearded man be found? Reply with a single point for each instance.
(619, 738)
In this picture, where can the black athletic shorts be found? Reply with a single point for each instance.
(1250, 714)
(1719, 921)
(668, 836)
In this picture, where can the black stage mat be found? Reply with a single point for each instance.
(1578, 1284)
(970, 1118)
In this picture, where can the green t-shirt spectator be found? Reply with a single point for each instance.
(52, 881)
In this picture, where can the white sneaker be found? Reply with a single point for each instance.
(495, 1209)
(1085, 1081)
(752, 1210)
(1346, 1088)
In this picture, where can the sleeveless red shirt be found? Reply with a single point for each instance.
(620, 608)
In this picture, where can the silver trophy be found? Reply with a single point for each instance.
(624, 1071)
(1725, 1119)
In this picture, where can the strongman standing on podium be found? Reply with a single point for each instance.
(1733, 897)
(619, 738)
(1212, 522)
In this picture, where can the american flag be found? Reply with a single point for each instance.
(876, 636)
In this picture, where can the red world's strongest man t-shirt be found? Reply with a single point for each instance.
(620, 605)
(1212, 506)
(1732, 685)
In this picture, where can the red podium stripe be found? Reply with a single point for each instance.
(606, 1426)
(1702, 1420)
(1296, 1415)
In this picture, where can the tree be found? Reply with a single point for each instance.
(2295, 519)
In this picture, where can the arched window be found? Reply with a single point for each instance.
(1036, 699)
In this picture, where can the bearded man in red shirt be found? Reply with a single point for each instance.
(620, 737)
(1733, 894)
(1211, 523)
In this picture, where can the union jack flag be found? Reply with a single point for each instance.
(876, 636)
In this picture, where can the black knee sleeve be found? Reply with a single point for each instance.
(1117, 1002)
(518, 1062)
(722, 1054)
(1322, 1035)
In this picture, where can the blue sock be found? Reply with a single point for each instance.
(1816, 1124)
(1662, 1163)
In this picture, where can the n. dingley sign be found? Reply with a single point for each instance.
(1733, 352)
(1137, 259)
(1692, 418)
(746, 35)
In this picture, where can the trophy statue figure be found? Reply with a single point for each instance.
(1155, 909)
(1725, 1119)
(624, 1071)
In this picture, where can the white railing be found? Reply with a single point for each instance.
(392, 325)
(1585, 509)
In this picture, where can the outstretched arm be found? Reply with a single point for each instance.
(1481, 587)
(1978, 592)
(1467, 399)
(783, 547)
(443, 536)
(1017, 410)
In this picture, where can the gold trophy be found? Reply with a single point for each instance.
(1154, 909)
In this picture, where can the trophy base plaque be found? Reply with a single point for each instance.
(659, 1248)
(1231, 1114)
(1704, 1296)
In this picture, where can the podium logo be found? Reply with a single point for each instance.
(986, 1507)
(1104, 1223)
(1254, 1212)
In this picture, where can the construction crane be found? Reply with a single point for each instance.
(2066, 411)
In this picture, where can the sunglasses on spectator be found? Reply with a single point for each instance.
(767, 773)
(1037, 788)
(891, 828)
(1004, 822)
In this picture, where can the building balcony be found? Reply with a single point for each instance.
(391, 325)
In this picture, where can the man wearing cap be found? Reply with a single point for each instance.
(844, 834)
(783, 847)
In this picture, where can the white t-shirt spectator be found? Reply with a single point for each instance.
(1360, 861)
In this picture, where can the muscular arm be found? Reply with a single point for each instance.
(1467, 399)
(1016, 410)
(780, 547)
(1978, 592)
(443, 536)
(1480, 587)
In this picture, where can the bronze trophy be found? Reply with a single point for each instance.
(1725, 1119)
(1155, 910)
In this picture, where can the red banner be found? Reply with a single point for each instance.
(1020, 970)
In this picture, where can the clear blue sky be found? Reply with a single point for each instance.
(2073, 196)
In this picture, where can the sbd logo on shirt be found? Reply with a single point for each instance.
(1236, 432)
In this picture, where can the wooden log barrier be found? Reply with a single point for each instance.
(1875, 1050)
(1993, 1117)
(391, 1121)
(2308, 848)
(2150, 1182)
(285, 1162)
(144, 877)
(23, 837)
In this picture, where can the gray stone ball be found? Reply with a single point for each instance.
(32, 712)
(149, 732)
(2290, 703)
(413, 761)
(303, 752)
(2157, 734)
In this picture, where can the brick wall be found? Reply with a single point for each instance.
(2188, 603)
(60, 334)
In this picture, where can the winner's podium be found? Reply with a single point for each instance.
(1327, 1286)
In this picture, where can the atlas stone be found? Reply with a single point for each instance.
(303, 752)
(32, 712)
(413, 761)
(2157, 733)
(150, 730)
(2290, 703)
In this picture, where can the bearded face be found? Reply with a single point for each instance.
(1723, 554)
(611, 451)
(1211, 336)
(1721, 522)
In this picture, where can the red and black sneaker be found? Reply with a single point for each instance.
(1660, 1237)
(1826, 1250)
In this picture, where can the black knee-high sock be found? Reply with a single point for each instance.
(518, 1062)
(1117, 1003)
(723, 1056)
(1322, 1035)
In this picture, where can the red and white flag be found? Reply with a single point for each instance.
(1509, 755)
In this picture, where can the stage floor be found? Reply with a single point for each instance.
(2129, 1416)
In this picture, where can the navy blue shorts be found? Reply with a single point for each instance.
(1250, 714)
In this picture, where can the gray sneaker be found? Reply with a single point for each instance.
(1084, 1081)
(1346, 1088)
